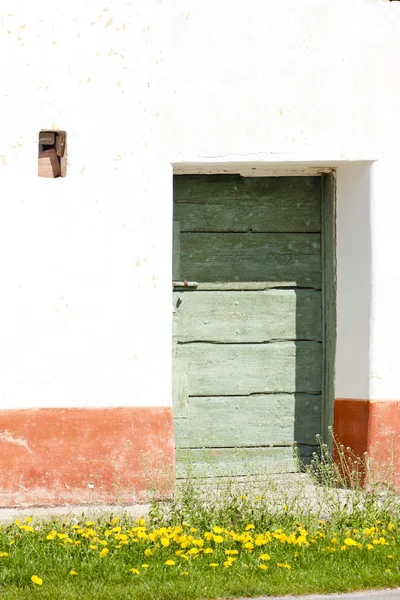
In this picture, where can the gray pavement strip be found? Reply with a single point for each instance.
(387, 594)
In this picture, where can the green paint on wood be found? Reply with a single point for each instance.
(329, 301)
(253, 351)
(257, 420)
(274, 216)
(234, 462)
(238, 369)
(247, 316)
(233, 189)
(176, 251)
(251, 257)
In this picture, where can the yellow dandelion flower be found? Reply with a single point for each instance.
(213, 565)
(259, 498)
(390, 556)
(193, 551)
(391, 526)
(321, 522)
(343, 547)
(185, 573)
(370, 547)
(217, 529)
(28, 519)
(145, 566)
(388, 571)
(349, 542)
(265, 557)
(249, 526)
(284, 566)
(170, 563)
(93, 547)
(114, 521)
(3, 554)
(104, 552)
(141, 523)
(134, 571)
(37, 580)
(218, 539)
(334, 540)
(17, 522)
(147, 552)
(285, 507)
(227, 563)
(208, 550)
(193, 530)
(73, 572)
(165, 542)
(262, 566)
(231, 552)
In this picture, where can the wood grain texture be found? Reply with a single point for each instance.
(245, 316)
(253, 353)
(176, 251)
(251, 257)
(180, 398)
(275, 216)
(239, 369)
(259, 420)
(231, 189)
(328, 301)
(234, 462)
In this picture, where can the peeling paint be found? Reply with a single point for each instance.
(7, 437)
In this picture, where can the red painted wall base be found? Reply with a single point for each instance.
(78, 456)
(371, 427)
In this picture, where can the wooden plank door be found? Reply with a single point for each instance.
(248, 338)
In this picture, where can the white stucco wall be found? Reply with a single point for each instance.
(140, 86)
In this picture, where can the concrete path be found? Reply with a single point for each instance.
(373, 595)
(136, 511)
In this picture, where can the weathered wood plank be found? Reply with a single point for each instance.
(258, 316)
(176, 251)
(222, 189)
(249, 285)
(239, 369)
(234, 462)
(275, 216)
(329, 301)
(260, 420)
(180, 399)
(251, 257)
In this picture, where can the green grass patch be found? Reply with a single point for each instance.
(221, 540)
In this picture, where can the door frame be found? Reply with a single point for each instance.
(328, 258)
(328, 265)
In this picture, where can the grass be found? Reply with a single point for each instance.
(219, 541)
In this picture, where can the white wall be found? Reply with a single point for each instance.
(138, 85)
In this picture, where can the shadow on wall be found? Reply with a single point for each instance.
(354, 281)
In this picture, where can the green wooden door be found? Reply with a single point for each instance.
(248, 339)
